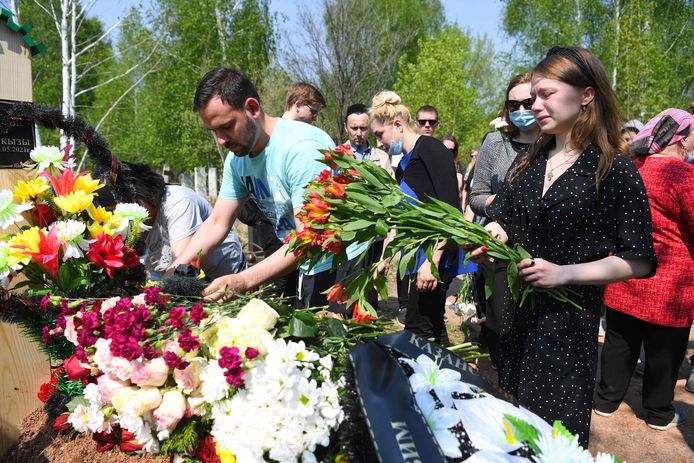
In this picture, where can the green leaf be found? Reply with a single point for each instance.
(302, 325)
(512, 277)
(405, 261)
(521, 251)
(561, 429)
(336, 328)
(489, 282)
(523, 431)
(359, 224)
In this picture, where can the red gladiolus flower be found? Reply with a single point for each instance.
(47, 257)
(332, 244)
(344, 148)
(74, 370)
(60, 424)
(325, 176)
(329, 160)
(335, 190)
(337, 294)
(360, 316)
(65, 184)
(318, 211)
(107, 253)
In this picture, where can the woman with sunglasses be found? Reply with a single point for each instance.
(495, 157)
(579, 207)
(658, 312)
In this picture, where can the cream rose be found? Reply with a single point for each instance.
(189, 378)
(136, 400)
(170, 411)
(259, 313)
(150, 373)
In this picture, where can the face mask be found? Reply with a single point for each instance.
(395, 147)
(523, 118)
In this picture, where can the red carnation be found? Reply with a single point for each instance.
(207, 452)
(45, 392)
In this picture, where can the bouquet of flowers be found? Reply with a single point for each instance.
(363, 203)
(71, 245)
(244, 381)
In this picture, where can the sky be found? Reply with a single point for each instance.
(480, 16)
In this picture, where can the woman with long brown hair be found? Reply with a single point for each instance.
(580, 209)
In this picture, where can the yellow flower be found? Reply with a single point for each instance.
(28, 240)
(29, 191)
(341, 458)
(225, 455)
(99, 214)
(87, 184)
(95, 228)
(75, 202)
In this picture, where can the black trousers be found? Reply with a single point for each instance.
(311, 288)
(425, 311)
(664, 347)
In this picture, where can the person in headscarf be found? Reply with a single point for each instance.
(656, 312)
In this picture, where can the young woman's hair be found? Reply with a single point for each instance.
(518, 79)
(599, 121)
(456, 154)
(387, 106)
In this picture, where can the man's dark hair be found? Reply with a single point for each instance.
(231, 85)
(429, 109)
(357, 108)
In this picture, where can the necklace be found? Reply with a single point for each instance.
(550, 173)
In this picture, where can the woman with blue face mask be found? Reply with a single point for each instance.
(495, 156)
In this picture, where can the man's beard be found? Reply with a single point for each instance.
(251, 136)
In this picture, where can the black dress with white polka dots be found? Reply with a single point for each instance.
(552, 358)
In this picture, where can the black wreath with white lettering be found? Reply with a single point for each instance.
(107, 166)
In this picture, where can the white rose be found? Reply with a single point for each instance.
(137, 401)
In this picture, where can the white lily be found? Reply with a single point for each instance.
(444, 381)
(71, 233)
(440, 421)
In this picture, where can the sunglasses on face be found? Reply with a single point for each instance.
(514, 105)
(314, 111)
(423, 122)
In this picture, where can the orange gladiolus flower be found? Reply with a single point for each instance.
(337, 294)
(360, 316)
(318, 211)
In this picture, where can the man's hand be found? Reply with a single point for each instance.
(224, 287)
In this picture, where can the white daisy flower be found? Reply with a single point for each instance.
(10, 212)
(71, 233)
(50, 156)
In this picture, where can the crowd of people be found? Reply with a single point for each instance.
(597, 202)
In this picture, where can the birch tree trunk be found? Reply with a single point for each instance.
(65, 67)
(14, 9)
(615, 59)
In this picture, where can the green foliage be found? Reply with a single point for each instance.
(645, 45)
(465, 94)
(185, 437)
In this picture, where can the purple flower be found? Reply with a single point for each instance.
(251, 353)
(152, 296)
(149, 352)
(196, 313)
(173, 361)
(187, 341)
(45, 302)
(176, 315)
(45, 334)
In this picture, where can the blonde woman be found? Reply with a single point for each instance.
(425, 171)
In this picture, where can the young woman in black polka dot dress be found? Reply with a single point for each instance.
(580, 209)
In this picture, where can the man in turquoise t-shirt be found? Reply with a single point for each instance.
(271, 160)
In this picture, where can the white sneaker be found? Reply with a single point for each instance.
(677, 420)
(605, 414)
